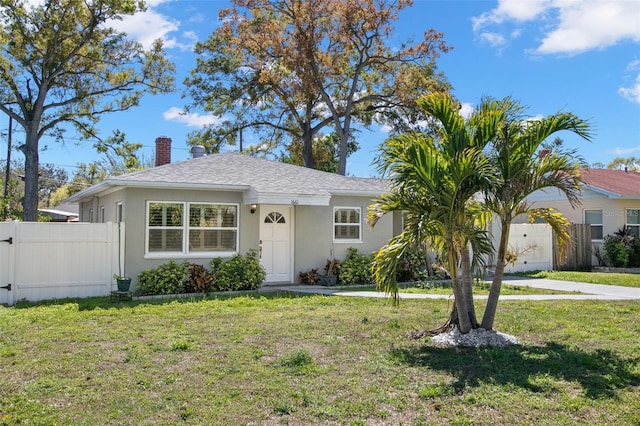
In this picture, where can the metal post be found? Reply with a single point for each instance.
(7, 171)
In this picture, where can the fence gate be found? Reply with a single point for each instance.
(57, 260)
(7, 237)
(530, 245)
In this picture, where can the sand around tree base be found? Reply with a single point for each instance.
(475, 338)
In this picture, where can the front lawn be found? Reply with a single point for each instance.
(479, 288)
(625, 280)
(314, 360)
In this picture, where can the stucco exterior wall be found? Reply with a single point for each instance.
(614, 214)
(314, 242)
(313, 233)
(133, 214)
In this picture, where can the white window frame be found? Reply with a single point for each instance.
(91, 215)
(595, 224)
(185, 252)
(633, 225)
(102, 217)
(335, 224)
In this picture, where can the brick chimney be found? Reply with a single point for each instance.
(543, 153)
(163, 151)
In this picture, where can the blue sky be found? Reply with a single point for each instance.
(581, 56)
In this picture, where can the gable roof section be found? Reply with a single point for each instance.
(261, 181)
(613, 183)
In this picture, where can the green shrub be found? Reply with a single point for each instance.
(356, 268)
(621, 249)
(616, 254)
(168, 278)
(412, 266)
(239, 272)
(199, 280)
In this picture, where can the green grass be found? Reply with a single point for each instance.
(313, 361)
(479, 288)
(625, 280)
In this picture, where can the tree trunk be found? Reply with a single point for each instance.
(467, 284)
(344, 150)
(307, 147)
(460, 300)
(31, 162)
(494, 293)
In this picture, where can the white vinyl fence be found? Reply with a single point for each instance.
(532, 243)
(41, 261)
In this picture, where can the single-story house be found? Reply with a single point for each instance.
(610, 201)
(218, 205)
(61, 213)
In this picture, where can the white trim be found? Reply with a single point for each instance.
(601, 224)
(290, 210)
(111, 185)
(334, 224)
(634, 225)
(610, 194)
(288, 199)
(186, 253)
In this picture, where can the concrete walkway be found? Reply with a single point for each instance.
(583, 291)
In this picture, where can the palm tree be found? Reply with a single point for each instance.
(520, 171)
(434, 180)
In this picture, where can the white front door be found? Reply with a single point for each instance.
(275, 242)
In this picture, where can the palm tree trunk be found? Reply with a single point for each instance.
(467, 284)
(461, 303)
(494, 293)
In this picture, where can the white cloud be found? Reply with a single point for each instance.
(508, 10)
(570, 26)
(493, 39)
(177, 115)
(146, 27)
(619, 152)
(466, 109)
(588, 25)
(190, 40)
(632, 93)
(386, 129)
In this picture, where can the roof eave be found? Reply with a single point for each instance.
(358, 193)
(610, 194)
(112, 184)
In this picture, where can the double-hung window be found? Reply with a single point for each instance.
(347, 224)
(191, 228)
(594, 218)
(633, 221)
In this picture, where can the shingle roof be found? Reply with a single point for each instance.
(620, 183)
(243, 172)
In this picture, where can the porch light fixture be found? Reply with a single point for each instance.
(253, 208)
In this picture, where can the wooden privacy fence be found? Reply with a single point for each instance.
(578, 254)
(41, 261)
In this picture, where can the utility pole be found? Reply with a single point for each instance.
(7, 171)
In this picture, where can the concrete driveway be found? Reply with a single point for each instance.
(584, 291)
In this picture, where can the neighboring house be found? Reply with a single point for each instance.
(61, 213)
(219, 205)
(610, 201)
